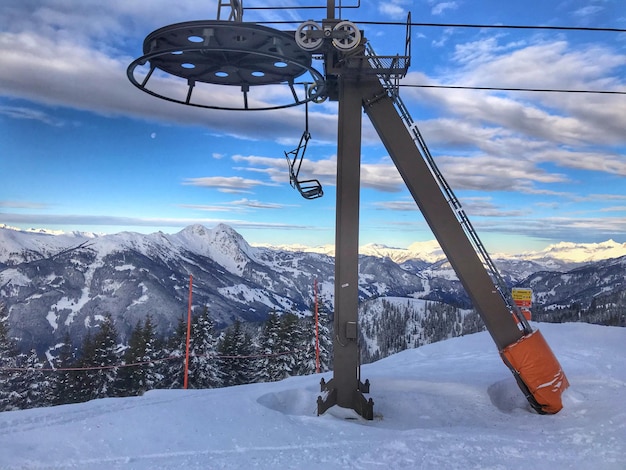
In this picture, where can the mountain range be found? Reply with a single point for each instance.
(53, 284)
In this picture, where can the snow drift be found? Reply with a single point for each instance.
(450, 405)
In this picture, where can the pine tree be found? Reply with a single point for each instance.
(152, 353)
(278, 346)
(8, 362)
(140, 372)
(269, 345)
(306, 354)
(305, 348)
(28, 388)
(81, 382)
(130, 378)
(105, 358)
(326, 343)
(62, 384)
(97, 364)
(236, 345)
(326, 335)
(204, 367)
(172, 370)
(290, 344)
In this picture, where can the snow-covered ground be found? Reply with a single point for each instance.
(449, 405)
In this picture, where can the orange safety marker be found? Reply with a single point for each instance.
(534, 363)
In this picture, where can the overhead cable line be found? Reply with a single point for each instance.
(543, 90)
(496, 26)
(478, 26)
(305, 7)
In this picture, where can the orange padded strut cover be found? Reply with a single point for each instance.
(539, 369)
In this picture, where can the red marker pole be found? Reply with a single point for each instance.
(186, 380)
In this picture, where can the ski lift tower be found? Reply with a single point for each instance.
(199, 56)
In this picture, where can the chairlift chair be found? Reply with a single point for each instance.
(311, 188)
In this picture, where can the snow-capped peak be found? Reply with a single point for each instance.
(222, 244)
(428, 251)
(228, 248)
(579, 252)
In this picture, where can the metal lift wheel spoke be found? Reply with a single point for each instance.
(347, 35)
(307, 36)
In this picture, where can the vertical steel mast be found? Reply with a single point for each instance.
(345, 389)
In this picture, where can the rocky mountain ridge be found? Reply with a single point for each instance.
(67, 283)
(553, 256)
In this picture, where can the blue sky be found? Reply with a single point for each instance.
(82, 149)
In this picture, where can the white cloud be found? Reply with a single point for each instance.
(229, 184)
(587, 11)
(560, 228)
(391, 10)
(581, 131)
(440, 8)
(153, 223)
(22, 112)
(255, 204)
(488, 172)
(397, 205)
(382, 176)
(614, 209)
(22, 205)
(207, 207)
(240, 205)
(482, 207)
(69, 73)
(395, 9)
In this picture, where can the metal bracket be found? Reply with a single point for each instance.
(363, 406)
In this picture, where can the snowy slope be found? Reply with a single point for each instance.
(18, 245)
(449, 405)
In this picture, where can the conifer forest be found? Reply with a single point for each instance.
(105, 365)
(284, 345)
